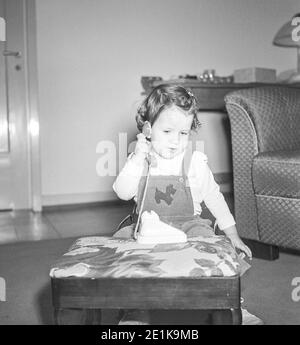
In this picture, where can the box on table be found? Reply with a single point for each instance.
(254, 74)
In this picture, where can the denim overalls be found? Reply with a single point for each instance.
(170, 197)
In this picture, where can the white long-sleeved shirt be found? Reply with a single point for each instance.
(200, 178)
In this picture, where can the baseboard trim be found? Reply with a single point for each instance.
(79, 198)
(87, 205)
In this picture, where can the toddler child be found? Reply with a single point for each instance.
(179, 180)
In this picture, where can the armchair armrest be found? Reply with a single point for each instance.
(262, 119)
(244, 148)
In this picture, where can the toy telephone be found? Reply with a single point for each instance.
(152, 230)
(147, 130)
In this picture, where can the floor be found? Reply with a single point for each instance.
(61, 222)
(266, 282)
(67, 221)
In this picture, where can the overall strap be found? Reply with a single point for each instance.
(186, 162)
(147, 171)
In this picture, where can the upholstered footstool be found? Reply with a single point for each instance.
(113, 273)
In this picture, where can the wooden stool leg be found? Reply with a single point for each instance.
(77, 316)
(236, 316)
(221, 317)
(227, 317)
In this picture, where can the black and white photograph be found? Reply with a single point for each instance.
(149, 165)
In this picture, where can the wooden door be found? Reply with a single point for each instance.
(14, 143)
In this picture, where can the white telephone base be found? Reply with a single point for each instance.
(153, 230)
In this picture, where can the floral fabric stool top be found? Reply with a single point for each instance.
(99, 273)
(100, 257)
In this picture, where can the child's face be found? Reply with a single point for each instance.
(170, 132)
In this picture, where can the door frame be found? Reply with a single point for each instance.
(26, 43)
(32, 106)
(23, 109)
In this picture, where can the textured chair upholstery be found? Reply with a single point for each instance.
(265, 129)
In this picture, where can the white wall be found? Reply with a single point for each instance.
(92, 53)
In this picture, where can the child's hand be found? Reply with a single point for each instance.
(238, 243)
(142, 147)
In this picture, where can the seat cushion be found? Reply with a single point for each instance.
(111, 257)
(277, 174)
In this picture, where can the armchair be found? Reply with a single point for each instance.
(265, 130)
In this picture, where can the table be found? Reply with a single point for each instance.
(210, 96)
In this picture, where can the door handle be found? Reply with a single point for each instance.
(12, 53)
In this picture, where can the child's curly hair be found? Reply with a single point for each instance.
(162, 97)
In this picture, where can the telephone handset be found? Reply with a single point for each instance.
(147, 130)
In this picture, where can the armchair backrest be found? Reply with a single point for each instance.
(274, 112)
